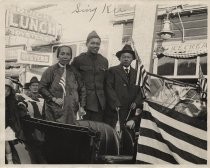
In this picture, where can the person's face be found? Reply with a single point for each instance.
(93, 45)
(64, 55)
(126, 59)
(34, 87)
(7, 91)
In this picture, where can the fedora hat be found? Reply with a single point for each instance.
(34, 79)
(126, 49)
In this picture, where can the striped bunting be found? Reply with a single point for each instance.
(202, 81)
(62, 82)
(167, 136)
(142, 77)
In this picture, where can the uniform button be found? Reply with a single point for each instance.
(124, 84)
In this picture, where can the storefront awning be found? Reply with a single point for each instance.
(188, 49)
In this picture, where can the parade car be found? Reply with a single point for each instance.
(87, 142)
(91, 142)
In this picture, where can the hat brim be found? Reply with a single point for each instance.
(33, 82)
(119, 53)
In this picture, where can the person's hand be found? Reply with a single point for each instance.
(133, 106)
(117, 108)
(130, 124)
(138, 112)
(58, 101)
(81, 112)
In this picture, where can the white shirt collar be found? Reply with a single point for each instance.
(61, 65)
(127, 68)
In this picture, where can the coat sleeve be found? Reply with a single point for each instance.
(112, 97)
(44, 84)
(81, 89)
(75, 63)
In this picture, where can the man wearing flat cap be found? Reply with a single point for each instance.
(122, 93)
(92, 67)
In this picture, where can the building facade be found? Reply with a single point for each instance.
(178, 57)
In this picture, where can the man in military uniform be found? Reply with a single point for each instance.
(92, 67)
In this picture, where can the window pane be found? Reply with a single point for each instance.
(187, 66)
(127, 32)
(203, 62)
(166, 66)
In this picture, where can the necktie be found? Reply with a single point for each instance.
(127, 72)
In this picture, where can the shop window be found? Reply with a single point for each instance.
(186, 67)
(203, 63)
(180, 68)
(127, 32)
(166, 66)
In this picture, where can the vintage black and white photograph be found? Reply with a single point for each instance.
(104, 82)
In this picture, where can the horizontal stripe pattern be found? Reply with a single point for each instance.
(178, 116)
(163, 139)
(165, 118)
(179, 134)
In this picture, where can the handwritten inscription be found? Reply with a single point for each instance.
(93, 10)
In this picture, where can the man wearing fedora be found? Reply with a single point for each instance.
(35, 108)
(122, 93)
(33, 89)
(92, 67)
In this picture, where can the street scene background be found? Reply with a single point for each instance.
(31, 31)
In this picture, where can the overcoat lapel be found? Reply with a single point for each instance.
(122, 73)
(132, 76)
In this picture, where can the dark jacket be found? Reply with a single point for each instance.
(121, 92)
(49, 87)
(14, 111)
(92, 69)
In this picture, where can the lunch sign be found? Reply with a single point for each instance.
(30, 24)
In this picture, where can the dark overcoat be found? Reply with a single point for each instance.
(93, 69)
(49, 87)
(121, 91)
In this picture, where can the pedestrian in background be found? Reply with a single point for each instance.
(14, 110)
(92, 67)
(35, 138)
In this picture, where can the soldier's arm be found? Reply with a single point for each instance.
(112, 97)
(81, 90)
